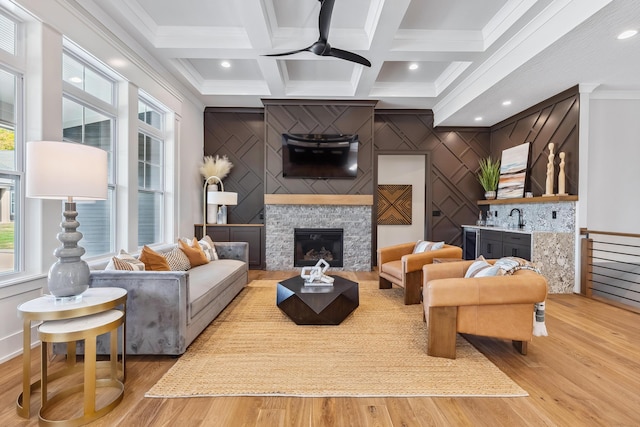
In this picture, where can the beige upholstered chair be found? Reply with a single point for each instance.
(498, 306)
(398, 265)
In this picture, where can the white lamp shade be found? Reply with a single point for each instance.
(222, 198)
(59, 170)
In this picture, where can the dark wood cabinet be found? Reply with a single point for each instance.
(498, 244)
(250, 233)
(516, 244)
(490, 244)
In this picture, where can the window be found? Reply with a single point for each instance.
(151, 180)
(89, 117)
(8, 30)
(11, 141)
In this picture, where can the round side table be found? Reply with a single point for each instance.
(94, 300)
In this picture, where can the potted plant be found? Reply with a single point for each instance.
(489, 176)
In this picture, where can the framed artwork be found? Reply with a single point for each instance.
(513, 171)
(394, 204)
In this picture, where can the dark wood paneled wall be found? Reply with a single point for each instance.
(239, 134)
(252, 140)
(554, 120)
(454, 164)
(333, 117)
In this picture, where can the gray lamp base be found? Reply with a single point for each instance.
(69, 276)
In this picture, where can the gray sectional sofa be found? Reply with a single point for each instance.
(167, 310)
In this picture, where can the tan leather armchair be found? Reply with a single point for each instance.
(500, 306)
(397, 264)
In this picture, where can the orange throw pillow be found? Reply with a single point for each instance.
(194, 252)
(153, 260)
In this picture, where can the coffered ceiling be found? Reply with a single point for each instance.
(472, 55)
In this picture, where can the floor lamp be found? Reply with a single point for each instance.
(67, 171)
(222, 198)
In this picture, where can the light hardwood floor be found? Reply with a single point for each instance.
(585, 373)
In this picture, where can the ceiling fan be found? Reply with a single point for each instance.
(322, 46)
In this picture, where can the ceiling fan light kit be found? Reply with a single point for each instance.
(322, 47)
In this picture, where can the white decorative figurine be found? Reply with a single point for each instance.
(314, 276)
(561, 176)
(549, 187)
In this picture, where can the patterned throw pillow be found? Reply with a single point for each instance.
(209, 248)
(119, 264)
(177, 260)
(195, 254)
(509, 265)
(425, 246)
(153, 261)
(123, 257)
(481, 268)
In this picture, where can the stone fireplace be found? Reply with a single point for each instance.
(286, 212)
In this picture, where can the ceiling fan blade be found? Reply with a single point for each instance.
(289, 53)
(349, 56)
(324, 20)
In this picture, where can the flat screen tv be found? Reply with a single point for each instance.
(321, 156)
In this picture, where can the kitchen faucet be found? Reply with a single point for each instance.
(520, 222)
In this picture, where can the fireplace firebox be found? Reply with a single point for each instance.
(313, 244)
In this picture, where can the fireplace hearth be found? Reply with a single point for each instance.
(313, 244)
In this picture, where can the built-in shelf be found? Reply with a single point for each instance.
(541, 199)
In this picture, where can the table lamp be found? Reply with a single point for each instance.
(222, 198)
(67, 171)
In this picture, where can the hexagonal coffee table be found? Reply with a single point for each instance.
(317, 305)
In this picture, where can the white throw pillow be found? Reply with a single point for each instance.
(425, 246)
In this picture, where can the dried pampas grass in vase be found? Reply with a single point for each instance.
(215, 166)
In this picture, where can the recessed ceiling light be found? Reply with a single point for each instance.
(627, 34)
(75, 80)
(478, 119)
(507, 102)
(413, 66)
(225, 64)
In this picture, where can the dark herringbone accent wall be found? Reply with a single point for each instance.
(554, 120)
(252, 139)
(454, 157)
(332, 117)
(239, 134)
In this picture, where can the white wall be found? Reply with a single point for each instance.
(614, 166)
(43, 218)
(404, 170)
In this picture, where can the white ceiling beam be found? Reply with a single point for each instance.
(547, 27)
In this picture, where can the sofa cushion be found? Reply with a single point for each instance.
(425, 245)
(194, 252)
(153, 260)
(207, 282)
(177, 260)
(392, 268)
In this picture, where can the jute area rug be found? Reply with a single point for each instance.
(254, 349)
